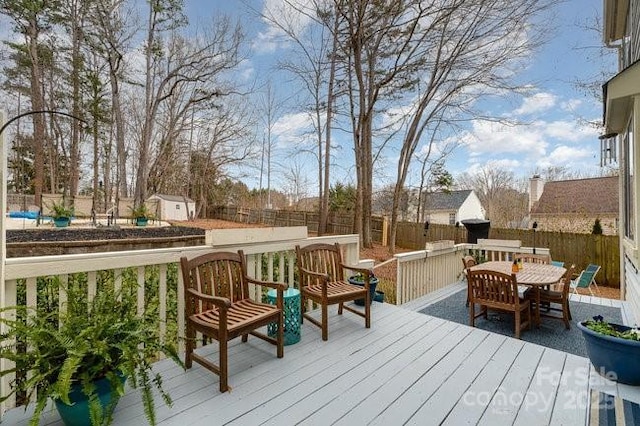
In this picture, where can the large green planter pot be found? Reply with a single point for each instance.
(61, 222)
(614, 358)
(77, 414)
(373, 283)
(141, 221)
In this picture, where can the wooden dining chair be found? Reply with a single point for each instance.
(467, 262)
(550, 299)
(533, 258)
(497, 291)
(218, 305)
(322, 280)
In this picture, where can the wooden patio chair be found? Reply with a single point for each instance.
(467, 262)
(551, 298)
(322, 280)
(497, 291)
(218, 305)
(533, 258)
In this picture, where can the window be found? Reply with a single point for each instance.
(452, 218)
(628, 182)
(177, 206)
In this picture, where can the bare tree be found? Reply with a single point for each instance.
(314, 65)
(195, 66)
(502, 195)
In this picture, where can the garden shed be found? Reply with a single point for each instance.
(171, 207)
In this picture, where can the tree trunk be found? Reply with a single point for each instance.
(37, 103)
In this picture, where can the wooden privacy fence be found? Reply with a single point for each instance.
(581, 249)
(338, 223)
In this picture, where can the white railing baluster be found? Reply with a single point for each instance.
(10, 295)
(162, 301)
(180, 293)
(92, 285)
(140, 290)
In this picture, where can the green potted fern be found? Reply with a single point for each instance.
(61, 214)
(140, 214)
(81, 356)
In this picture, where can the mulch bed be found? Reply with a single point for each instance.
(104, 233)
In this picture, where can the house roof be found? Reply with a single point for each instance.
(451, 200)
(579, 196)
(174, 198)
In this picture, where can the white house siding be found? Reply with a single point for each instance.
(441, 218)
(632, 285)
(628, 106)
(471, 208)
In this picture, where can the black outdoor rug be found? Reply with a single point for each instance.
(607, 410)
(551, 333)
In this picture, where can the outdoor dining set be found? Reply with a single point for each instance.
(530, 286)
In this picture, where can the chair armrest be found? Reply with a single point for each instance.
(364, 271)
(325, 277)
(220, 302)
(271, 284)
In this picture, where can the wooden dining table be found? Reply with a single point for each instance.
(534, 275)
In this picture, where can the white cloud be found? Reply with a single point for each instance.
(536, 103)
(292, 128)
(569, 131)
(571, 105)
(288, 15)
(498, 138)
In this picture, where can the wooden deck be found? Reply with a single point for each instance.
(409, 368)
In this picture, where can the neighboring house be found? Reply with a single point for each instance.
(574, 205)
(171, 207)
(622, 126)
(449, 208)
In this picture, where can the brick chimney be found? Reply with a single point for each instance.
(536, 186)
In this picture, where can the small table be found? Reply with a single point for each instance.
(536, 275)
(292, 315)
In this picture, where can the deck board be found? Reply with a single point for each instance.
(408, 368)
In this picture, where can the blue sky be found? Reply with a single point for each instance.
(554, 111)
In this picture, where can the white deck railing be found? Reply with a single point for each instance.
(422, 272)
(265, 260)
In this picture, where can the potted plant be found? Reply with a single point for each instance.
(61, 214)
(141, 214)
(81, 356)
(614, 349)
(358, 280)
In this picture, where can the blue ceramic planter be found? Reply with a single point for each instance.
(61, 222)
(614, 358)
(141, 221)
(77, 414)
(373, 283)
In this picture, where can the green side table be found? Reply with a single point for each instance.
(292, 315)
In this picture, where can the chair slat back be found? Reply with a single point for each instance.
(585, 278)
(219, 274)
(468, 261)
(496, 287)
(321, 258)
(533, 258)
(566, 281)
